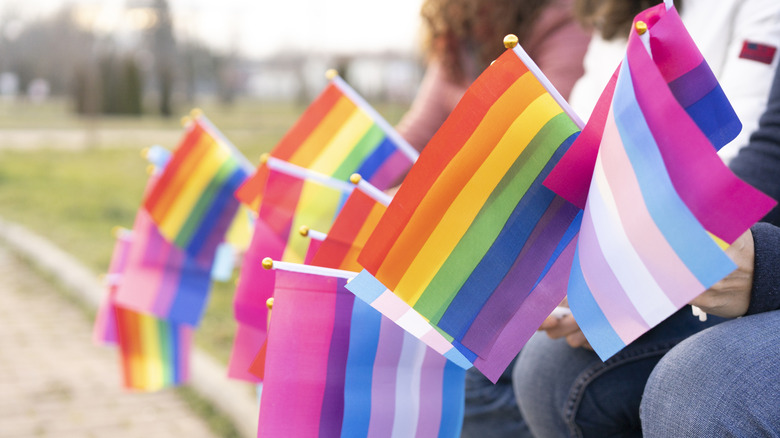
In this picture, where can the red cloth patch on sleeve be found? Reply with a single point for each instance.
(758, 52)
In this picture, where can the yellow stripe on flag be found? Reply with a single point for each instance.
(470, 200)
(201, 176)
(316, 209)
(311, 148)
(342, 144)
(154, 376)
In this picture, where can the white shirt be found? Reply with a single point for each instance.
(719, 28)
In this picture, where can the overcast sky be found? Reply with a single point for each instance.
(259, 28)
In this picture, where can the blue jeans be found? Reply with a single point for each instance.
(722, 382)
(569, 392)
(491, 410)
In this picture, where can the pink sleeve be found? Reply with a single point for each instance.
(557, 44)
(433, 103)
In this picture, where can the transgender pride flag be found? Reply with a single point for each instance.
(659, 201)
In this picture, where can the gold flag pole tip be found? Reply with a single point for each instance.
(196, 112)
(144, 153)
(185, 120)
(355, 178)
(331, 73)
(641, 27)
(264, 158)
(150, 169)
(269, 303)
(510, 41)
(303, 230)
(268, 263)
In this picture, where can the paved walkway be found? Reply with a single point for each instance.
(55, 383)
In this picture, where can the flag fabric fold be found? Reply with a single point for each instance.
(473, 208)
(660, 199)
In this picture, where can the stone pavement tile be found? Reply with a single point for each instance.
(55, 382)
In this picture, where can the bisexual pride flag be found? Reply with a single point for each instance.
(292, 197)
(339, 134)
(336, 367)
(472, 231)
(660, 199)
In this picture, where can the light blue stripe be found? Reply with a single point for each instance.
(594, 325)
(679, 226)
(366, 287)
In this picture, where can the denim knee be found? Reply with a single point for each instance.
(720, 382)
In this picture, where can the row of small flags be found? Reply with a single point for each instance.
(380, 303)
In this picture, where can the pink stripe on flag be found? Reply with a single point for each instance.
(169, 283)
(605, 288)
(659, 257)
(144, 271)
(667, 56)
(246, 344)
(725, 205)
(296, 363)
(391, 306)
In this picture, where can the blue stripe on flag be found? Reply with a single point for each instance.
(373, 162)
(364, 339)
(595, 326)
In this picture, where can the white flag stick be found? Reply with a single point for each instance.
(370, 189)
(305, 174)
(268, 263)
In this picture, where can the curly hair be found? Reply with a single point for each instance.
(451, 25)
(612, 18)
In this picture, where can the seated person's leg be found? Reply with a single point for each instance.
(724, 381)
(564, 391)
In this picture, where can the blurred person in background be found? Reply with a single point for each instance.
(462, 38)
(562, 387)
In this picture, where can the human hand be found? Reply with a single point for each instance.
(730, 296)
(565, 327)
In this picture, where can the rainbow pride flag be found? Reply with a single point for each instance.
(659, 201)
(339, 250)
(154, 353)
(339, 134)
(192, 202)
(289, 202)
(688, 78)
(336, 367)
(472, 230)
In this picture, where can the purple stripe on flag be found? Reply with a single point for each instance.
(431, 382)
(725, 205)
(333, 399)
(693, 85)
(519, 282)
(383, 382)
(390, 171)
(532, 312)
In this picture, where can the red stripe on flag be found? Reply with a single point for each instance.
(444, 145)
